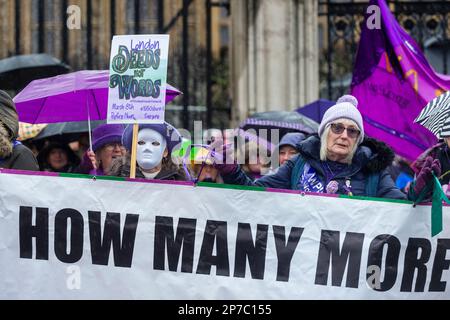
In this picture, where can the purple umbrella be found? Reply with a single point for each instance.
(76, 96)
(316, 109)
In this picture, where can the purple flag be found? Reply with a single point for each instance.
(393, 82)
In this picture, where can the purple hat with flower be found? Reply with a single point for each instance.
(171, 135)
(106, 133)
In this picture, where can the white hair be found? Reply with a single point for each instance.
(323, 143)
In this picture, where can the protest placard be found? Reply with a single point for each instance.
(138, 78)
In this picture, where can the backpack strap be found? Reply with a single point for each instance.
(372, 184)
(297, 171)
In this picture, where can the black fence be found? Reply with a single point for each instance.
(426, 21)
(192, 67)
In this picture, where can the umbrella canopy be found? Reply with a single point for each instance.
(316, 109)
(436, 116)
(249, 136)
(17, 71)
(66, 131)
(284, 121)
(69, 97)
(29, 131)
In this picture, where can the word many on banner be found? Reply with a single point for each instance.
(138, 78)
(75, 238)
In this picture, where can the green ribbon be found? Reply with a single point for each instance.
(436, 207)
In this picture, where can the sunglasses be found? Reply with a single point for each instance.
(338, 128)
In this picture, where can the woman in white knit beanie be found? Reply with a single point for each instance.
(337, 160)
(341, 131)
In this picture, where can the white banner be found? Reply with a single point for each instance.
(77, 238)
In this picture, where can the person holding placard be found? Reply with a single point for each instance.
(153, 155)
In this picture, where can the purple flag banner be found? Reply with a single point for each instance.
(393, 82)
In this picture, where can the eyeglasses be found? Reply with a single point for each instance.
(112, 146)
(338, 128)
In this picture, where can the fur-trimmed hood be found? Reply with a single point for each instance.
(371, 156)
(381, 156)
(365, 176)
(8, 115)
(6, 145)
(9, 124)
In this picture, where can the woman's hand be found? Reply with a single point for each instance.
(425, 175)
(223, 157)
(91, 156)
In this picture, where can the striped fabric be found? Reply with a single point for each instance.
(276, 124)
(435, 115)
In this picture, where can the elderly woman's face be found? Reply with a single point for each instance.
(341, 139)
(109, 152)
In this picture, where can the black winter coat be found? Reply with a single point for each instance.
(372, 156)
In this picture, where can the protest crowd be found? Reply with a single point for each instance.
(339, 158)
(351, 150)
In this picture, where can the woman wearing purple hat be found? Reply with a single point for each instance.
(106, 146)
(153, 155)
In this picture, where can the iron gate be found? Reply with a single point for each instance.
(192, 67)
(426, 21)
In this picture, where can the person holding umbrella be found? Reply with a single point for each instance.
(106, 146)
(435, 117)
(438, 153)
(153, 155)
(13, 154)
(340, 160)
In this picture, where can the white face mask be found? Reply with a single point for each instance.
(150, 149)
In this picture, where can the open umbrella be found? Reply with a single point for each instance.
(284, 121)
(67, 132)
(17, 71)
(248, 136)
(316, 109)
(436, 115)
(75, 96)
(29, 131)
